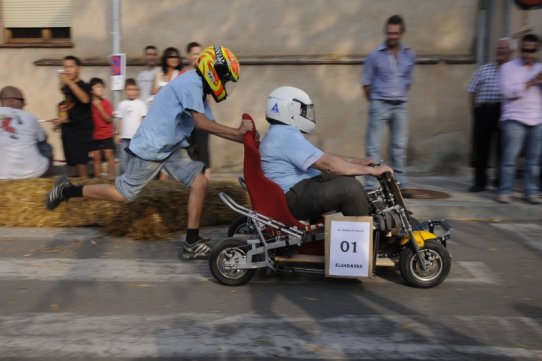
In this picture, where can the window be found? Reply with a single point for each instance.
(36, 22)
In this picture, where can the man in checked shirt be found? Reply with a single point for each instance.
(485, 101)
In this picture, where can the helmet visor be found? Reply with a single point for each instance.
(307, 111)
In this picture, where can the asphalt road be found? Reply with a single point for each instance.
(76, 294)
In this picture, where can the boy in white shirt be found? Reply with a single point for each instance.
(130, 114)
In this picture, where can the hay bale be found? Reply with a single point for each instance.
(158, 213)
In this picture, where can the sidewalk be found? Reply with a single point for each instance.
(464, 205)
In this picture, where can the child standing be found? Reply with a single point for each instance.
(102, 136)
(75, 118)
(130, 113)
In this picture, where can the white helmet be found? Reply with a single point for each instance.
(291, 106)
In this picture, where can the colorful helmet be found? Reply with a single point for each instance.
(292, 106)
(219, 69)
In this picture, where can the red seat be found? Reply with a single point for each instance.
(266, 196)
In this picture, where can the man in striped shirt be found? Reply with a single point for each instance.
(485, 101)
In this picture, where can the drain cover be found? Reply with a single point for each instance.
(424, 194)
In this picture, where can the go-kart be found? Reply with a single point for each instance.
(269, 237)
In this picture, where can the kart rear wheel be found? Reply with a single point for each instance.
(241, 225)
(227, 251)
(438, 265)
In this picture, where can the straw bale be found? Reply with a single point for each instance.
(158, 213)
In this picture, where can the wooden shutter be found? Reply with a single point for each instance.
(37, 13)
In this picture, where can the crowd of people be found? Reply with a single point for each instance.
(506, 100)
(90, 129)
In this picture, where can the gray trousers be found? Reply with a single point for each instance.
(312, 197)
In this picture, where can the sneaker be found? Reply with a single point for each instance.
(533, 199)
(198, 250)
(56, 195)
(504, 198)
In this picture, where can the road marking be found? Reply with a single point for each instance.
(392, 337)
(472, 272)
(95, 269)
(127, 270)
(529, 232)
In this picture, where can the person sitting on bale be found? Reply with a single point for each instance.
(21, 136)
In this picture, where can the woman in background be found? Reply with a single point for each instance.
(170, 68)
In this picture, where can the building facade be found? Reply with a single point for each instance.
(316, 45)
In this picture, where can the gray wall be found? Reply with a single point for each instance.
(336, 34)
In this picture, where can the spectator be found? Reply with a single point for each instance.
(102, 136)
(199, 140)
(193, 51)
(145, 79)
(170, 68)
(19, 137)
(314, 182)
(77, 125)
(14, 99)
(130, 113)
(521, 120)
(387, 77)
(485, 101)
(160, 141)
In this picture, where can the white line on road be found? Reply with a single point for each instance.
(128, 270)
(473, 272)
(531, 233)
(95, 269)
(209, 335)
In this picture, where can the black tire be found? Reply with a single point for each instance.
(440, 264)
(241, 225)
(226, 249)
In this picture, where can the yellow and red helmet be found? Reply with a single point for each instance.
(219, 69)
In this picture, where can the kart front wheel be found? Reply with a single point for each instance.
(438, 264)
(224, 257)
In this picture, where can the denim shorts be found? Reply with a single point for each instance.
(139, 172)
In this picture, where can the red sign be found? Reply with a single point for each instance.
(116, 65)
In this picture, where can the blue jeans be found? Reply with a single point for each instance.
(380, 115)
(515, 137)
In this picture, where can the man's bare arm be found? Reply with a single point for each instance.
(338, 165)
(223, 131)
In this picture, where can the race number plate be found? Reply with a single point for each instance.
(349, 246)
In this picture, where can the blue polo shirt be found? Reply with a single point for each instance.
(169, 120)
(390, 77)
(287, 156)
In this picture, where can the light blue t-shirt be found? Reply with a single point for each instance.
(287, 156)
(169, 120)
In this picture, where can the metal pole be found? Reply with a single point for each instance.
(116, 35)
(487, 31)
(508, 18)
(480, 31)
